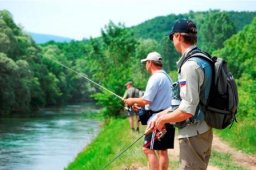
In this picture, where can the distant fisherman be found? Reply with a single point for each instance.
(132, 92)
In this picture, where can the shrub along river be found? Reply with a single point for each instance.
(47, 140)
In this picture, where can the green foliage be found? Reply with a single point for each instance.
(169, 54)
(239, 49)
(20, 48)
(8, 75)
(247, 94)
(22, 87)
(8, 43)
(110, 62)
(174, 75)
(140, 75)
(156, 28)
(216, 29)
(242, 18)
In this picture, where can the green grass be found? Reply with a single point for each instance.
(224, 161)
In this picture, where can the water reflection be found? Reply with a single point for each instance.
(45, 141)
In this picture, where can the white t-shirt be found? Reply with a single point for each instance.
(159, 91)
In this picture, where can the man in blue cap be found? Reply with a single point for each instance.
(195, 136)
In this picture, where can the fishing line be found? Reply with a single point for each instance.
(83, 75)
(117, 156)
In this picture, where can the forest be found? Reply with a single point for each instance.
(31, 76)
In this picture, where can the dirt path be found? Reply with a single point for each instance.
(244, 160)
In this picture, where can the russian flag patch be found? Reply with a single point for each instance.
(182, 82)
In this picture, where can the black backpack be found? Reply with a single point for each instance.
(221, 107)
(137, 92)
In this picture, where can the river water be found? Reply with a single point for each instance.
(48, 140)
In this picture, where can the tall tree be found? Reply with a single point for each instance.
(8, 77)
(23, 87)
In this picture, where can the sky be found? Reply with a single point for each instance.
(78, 19)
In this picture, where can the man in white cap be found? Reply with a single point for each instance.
(157, 96)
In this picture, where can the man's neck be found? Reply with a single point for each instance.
(184, 47)
(155, 69)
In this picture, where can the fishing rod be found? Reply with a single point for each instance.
(83, 75)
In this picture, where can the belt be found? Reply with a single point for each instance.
(152, 112)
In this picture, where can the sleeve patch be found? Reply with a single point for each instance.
(182, 82)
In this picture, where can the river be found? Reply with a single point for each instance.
(48, 140)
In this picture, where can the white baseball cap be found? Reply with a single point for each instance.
(153, 56)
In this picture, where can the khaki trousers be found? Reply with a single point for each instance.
(195, 151)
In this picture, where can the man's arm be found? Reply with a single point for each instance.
(175, 116)
(138, 101)
(125, 94)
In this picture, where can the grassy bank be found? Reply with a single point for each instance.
(115, 137)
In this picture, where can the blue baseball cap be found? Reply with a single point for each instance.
(183, 26)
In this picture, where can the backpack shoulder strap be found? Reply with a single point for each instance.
(199, 54)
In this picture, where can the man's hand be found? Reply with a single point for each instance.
(129, 101)
(150, 127)
(135, 107)
(159, 123)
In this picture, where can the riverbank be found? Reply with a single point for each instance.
(116, 136)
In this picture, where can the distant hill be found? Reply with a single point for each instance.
(158, 27)
(43, 38)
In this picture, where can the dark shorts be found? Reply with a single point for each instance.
(131, 112)
(166, 142)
